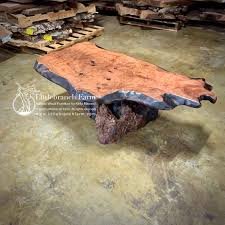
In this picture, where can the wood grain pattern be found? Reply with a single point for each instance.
(101, 73)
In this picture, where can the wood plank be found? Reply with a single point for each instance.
(19, 43)
(89, 29)
(12, 7)
(71, 38)
(142, 14)
(64, 42)
(41, 9)
(82, 31)
(46, 49)
(98, 32)
(56, 46)
(94, 26)
(24, 21)
(154, 24)
(46, 46)
(22, 1)
(106, 73)
(56, 0)
(77, 35)
(156, 3)
(37, 10)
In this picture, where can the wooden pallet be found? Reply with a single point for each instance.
(155, 24)
(24, 21)
(78, 35)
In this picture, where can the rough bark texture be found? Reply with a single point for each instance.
(165, 13)
(185, 11)
(5, 35)
(12, 7)
(156, 3)
(207, 14)
(54, 35)
(219, 1)
(114, 121)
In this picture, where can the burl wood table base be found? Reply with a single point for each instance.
(127, 92)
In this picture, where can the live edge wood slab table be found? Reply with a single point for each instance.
(126, 92)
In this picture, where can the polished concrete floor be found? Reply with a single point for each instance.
(54, 172)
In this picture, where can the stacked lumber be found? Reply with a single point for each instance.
(106, 6)
(44, 22)
(202, 12)
(162, 14)
(159, 14)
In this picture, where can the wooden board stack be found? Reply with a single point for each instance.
(203, 12)
(39, 24)
(169, 14)
(158, 14)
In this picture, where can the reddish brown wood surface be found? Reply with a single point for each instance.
(101, 72)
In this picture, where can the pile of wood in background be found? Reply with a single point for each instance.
(171, 13)
(206, 12)
(106, 7)
(48, 21)
(43, 21)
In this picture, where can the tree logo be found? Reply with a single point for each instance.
(24, 102)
